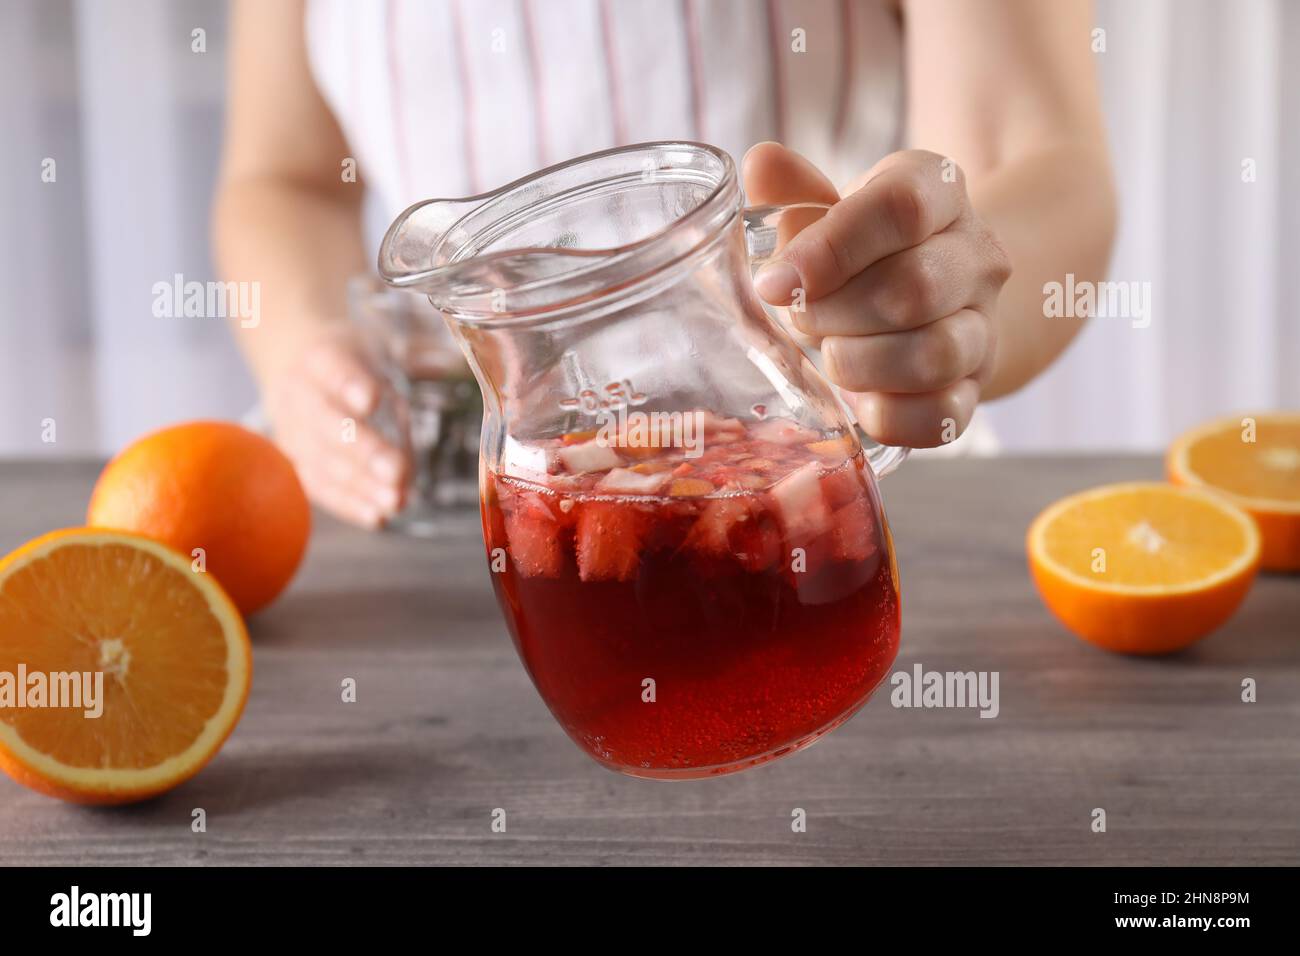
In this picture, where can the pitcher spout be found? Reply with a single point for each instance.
(408, 255)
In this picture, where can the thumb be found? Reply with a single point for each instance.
(773, 174)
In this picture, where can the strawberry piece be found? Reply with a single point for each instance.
(533, 532)
(843, 485)
(667, 528)
(711, 533)
(609, 538)
(737, 528)
(854, 535)
(757, 542)
(800, 503)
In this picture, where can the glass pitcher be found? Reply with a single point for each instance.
(681, 522)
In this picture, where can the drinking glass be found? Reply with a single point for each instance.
(434, 409)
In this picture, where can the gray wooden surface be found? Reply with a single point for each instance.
(447, 726)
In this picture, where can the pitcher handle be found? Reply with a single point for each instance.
(762, 239)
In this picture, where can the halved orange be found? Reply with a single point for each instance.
(1254, 461)
(172, 649)
(1143, 567)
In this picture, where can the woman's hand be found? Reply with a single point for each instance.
(900, 283)
(318, 406)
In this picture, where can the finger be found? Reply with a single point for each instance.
(916, 421)
(327, 463)
(322, 466)
(906, 290)
(345, 471)
(324, 423)
(773, 174)
(776, 175)
(343, 375)
(340, 501)
(922, 360)
(909, 199)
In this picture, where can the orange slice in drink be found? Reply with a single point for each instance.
(170, 649)
(1143, 568)
(1253, 461)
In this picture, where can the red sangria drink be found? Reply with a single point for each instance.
(694, 611)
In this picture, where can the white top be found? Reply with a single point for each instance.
(443, 98)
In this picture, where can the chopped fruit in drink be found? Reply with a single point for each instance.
(737, 527)
(757, 542)
(808, 501)
(836, 448)
(690, 488)
(713, 424)
(639, 451)
(697, 583)
(562, 483)
(782, 431)
(801, 504)
(533, 533)
(628, 482)
(609, 540)
(589, 456)
(843, 485)
(578, 438)
(652, 467)
(853, 537)
(711, 533)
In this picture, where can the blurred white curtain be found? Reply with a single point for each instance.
(111, 91)
(1192, 88)
(131, 116)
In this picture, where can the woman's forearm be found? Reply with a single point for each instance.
(1054, 213)
(300, 243)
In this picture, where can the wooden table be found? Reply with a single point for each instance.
(447, 727)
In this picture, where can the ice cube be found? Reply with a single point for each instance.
(625, 481)
(589, 456)
(782, 431)
(800, 503)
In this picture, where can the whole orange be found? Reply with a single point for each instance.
(218, 487)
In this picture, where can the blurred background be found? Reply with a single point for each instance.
(1195, 91)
